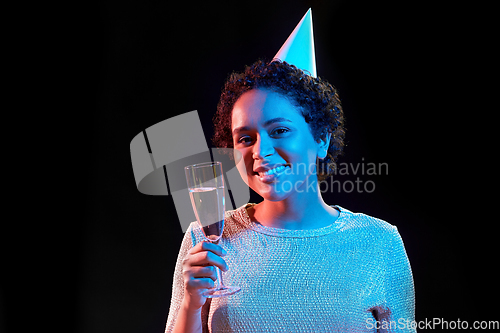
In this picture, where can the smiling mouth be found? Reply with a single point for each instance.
(272, 174)
(276, 170)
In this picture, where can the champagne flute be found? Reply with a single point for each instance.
(206, 190)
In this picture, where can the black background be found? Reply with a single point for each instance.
(405, 74)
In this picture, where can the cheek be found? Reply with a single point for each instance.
(300, 151)
(244, 164)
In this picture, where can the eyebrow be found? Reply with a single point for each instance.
(267, 123)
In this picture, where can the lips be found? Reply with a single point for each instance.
(269, 174)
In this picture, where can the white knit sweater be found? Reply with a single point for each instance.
(340, 278)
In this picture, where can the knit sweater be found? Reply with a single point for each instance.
(350, 276)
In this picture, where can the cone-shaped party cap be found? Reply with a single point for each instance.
(298, 49)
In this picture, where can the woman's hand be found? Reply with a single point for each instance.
(199, 272)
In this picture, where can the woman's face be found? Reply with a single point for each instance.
(277, 147)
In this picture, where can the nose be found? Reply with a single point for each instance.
(263, 147)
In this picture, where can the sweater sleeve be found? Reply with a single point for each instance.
(399, 290)
(190, 239)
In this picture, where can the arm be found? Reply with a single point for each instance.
(193, 274)
(192, 320)
(400, 293)
(178, 283)
(188, 320)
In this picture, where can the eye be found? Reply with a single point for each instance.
(279, 131)
(244, 139)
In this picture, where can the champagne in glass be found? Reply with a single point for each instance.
(208, 204)
(206, 190)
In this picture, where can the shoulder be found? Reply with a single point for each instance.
(373, 231)
(238, 214)
(236, 221)
(365, 224)
(193, 234)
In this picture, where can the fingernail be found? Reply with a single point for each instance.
(224, 252)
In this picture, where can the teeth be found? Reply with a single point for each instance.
(272, 171)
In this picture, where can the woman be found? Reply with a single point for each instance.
(302, 265)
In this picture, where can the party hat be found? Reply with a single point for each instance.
(298, 49)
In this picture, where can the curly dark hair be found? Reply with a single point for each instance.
(317, 99)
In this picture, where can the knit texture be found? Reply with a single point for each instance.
(339, 278)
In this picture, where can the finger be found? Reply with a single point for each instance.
(208, 246)
(203, 283)
(207, 258)
(203, 272)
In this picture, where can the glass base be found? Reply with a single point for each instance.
(219, 292)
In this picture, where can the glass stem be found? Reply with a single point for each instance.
(218, 283)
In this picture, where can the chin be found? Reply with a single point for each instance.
(270, 193)
(274, 197)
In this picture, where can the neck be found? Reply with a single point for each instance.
(306, 210)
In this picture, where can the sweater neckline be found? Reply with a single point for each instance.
(299, 233)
